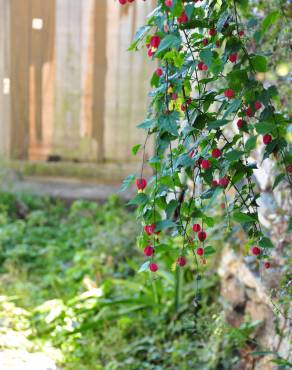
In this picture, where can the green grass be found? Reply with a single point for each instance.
(73, 273)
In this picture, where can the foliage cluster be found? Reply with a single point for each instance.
(214, 120)
(69, 281)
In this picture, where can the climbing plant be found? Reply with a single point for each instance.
(210, 111)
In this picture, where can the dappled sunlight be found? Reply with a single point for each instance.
(22, 360)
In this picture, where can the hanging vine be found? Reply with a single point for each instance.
(209, 111)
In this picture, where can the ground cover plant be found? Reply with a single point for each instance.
(70, 286)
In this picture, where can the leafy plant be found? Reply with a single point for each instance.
(69, 287)
(209, 111)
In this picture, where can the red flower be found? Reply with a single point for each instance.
(205, 42)
(141, 184)
(150, 52)
(241, 33)
(122, 2)
(289, 168)
(150, 229)
(218, 44)
(206, 164)
(191, 153)
(148, 251)
(155, 41)
(202, 236)
(183, 18)
(267, 264)
(212, 32)
(229, 93)
(257, 105)
(249, 112)
(214, 183)
(216, 153)
(200, 251)
(240, 123)
(153, 267)
(233, 57)
(174, 96)
(267, 139)
(256, 251)
(196, 228)
(159, 72)
(168, 3)
(199, 161)
(202, 66)
(181, 261)
(224, 182)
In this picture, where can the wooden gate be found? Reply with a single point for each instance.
(76, 94)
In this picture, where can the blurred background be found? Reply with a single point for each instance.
(71, 94)
(71, 298)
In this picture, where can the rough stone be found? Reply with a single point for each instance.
(246, 296)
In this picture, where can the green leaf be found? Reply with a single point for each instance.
(215, 194)
(183, 160)
(139, 199)
(168, 123)
(189, 8)
(207, 194)
(270, 148)
(278, 179)
(243, 217)
(222, 20)
(177, 8)
(135, 149)
(285, 364)
(154, 80)
(164, 224)
(144, 267)
(171, 207)
(154, 160)
(138, 36)
(170, 41)
(209, 221)
(269, 20)
(266, 243)
(265, 127)
(251, 143)
(234, 106)
(216, 66)
(259, 63)
(127, 182)
(233, 155)
(209, 250)
(206, 56)
(218, 123)
(147, 123)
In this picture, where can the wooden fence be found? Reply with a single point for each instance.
(69, 90)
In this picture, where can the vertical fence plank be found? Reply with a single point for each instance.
(126, 82)
(87, 65)
(4, 78)
(100, 41)
(77, 92)
(48, 77)
(41, 78)
(68, 78)
(19, 54)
